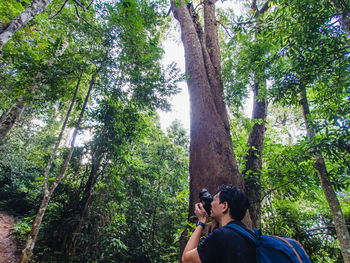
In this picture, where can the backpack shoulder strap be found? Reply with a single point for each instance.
(243, 232)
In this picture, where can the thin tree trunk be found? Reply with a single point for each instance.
(70, 244)
(212, 160)
(53, 154)
(253, 160)
(154, 212)
(30, 243)
(333, 202)
(28, 250)
(9, 118)
(36, 7)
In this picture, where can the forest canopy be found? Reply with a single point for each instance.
(86, 168)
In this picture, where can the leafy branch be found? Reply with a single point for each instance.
(278, 187)
(59, 11)
(78, 15)
(228, 33)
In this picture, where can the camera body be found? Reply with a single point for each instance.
(206, 198)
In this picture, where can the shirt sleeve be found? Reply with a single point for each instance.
(207, 249)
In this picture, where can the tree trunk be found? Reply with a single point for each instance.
(70, 244)
(30, 243)
(212, 160)
(9, 118)
(333, 202)
(48, 190)
(53, 154)
(253, 160)
(36, 7)
(155, 207)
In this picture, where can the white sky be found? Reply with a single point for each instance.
(180, 103)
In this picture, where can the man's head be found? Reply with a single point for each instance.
(236, 200)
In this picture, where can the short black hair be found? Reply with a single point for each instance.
(236, 199)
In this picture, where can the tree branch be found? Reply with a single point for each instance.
(224, 28)
(200, 4)
(80, 5)
(59, 11)
(264, 8)
(90, 4)
(278, 187)
(77, 12)
(323, 227)
(254, 6)
(245, 23)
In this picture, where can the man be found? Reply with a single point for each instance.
(223, 245)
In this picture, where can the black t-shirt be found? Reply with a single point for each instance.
(225, 245)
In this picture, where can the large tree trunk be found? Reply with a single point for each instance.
(333, 202)
(212, 160)
(48, 190)
(36, 7)
(9, 118)
(253, 160)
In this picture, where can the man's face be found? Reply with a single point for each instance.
(216, 211)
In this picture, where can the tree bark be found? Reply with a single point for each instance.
(9, 118)
(212, 160)
(155, 208)
(48, 190)
(253, 160)
(30, 243)
(53, 154)
(36, 7)
(333, 202)
(70, 244)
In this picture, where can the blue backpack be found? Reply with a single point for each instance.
(273, 249)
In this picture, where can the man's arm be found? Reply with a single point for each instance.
(190, 254)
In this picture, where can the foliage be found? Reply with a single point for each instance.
(120, 43)
(133, 200)
(307, 221)
(292, 202)
(21, 164)
(135, 209)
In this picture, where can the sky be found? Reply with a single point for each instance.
(180, 103)
(174, 52)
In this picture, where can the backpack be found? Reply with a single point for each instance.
(271, 249)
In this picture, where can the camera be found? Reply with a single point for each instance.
(206, 199)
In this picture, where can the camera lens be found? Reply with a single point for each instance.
(206, 198)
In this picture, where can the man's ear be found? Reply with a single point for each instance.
(225, 207)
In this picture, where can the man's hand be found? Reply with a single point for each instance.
(200, 212)
(190, 254)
